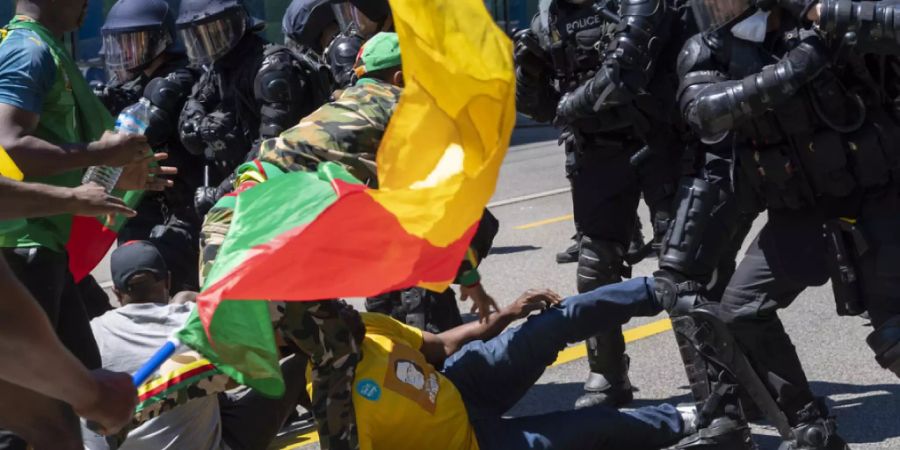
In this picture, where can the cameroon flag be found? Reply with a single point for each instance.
(308, 236)
(92, 237)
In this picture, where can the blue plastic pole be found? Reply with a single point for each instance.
(150, 367)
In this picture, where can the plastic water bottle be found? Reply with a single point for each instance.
(132, 120)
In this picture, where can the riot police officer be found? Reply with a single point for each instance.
(142, 53)
(310, 26)
(359, 21)
(811, 117)
(250, 89)
(570, 44)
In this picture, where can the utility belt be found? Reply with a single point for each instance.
(608, 143)
(793, 170)
(845, 244)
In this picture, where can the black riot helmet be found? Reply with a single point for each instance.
(134, 34)
(211, 28)
(367, 17)
(305, 21)
(714, 14)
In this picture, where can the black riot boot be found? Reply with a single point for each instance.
(720, 424)
(600, 262)
(570, 255)
(817, 430)
(608, 382)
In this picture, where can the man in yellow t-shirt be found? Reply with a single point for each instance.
(420, 391)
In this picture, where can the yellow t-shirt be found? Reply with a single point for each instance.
(401, 401)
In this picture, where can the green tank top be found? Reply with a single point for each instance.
(63, 120)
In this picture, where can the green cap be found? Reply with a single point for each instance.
(379, 53)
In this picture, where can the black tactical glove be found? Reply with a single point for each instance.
(528, 54)
(189, 128)
(223, 136)
(591, 96)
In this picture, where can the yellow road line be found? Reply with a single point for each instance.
(568, 355)
(299, 441)
(634, 334)
(541, 223)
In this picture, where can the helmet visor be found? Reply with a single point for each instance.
(208, 41)
(713, 14)
(364, 24)
(351, 19)
(132, 50)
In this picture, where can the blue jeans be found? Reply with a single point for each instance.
(493, 375)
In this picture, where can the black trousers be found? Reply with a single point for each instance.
(46, 275)
(606, 191)
(786, 257)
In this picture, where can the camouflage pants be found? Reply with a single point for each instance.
(320, 332)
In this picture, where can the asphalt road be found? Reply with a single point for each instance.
(838, 362)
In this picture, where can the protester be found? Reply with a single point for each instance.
(398, 383)
(52, 126)
(45, 374)
(128, 337)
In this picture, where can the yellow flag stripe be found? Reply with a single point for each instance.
(441, 154)
(8, 168)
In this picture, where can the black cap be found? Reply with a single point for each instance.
(136, 257)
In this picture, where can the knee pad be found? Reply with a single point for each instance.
(600, 263)
(885, 342)
(415, 304)
(700, 230)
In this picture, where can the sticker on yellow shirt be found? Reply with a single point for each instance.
(410, 376)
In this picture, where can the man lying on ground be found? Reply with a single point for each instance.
(130, 335)
(450, 390)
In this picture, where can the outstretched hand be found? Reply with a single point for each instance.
(534, 300)
(482, 303)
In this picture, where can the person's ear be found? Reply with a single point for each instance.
(398, 78)
(119, 295)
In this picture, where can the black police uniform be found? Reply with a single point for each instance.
(304, 24)
(566, 51)
(254, 91)
(168, 218)
(812, 126)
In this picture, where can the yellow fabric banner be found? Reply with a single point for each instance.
(8, 168)
(441, 154)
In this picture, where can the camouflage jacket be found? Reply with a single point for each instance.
(347, 131)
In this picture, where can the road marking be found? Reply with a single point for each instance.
(541, 223)
(579, 351)
(568, 355)
(528, 197)
(301, 441)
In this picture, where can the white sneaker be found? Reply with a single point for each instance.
(690, 417)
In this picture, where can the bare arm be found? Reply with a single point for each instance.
(26, 200)
(37, 157)
(439, 347)
(44, 365)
